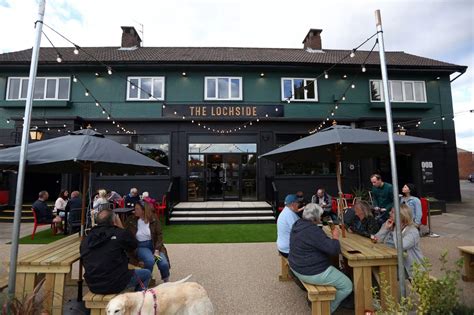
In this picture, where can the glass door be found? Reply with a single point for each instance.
(231, 180)
(215, 176)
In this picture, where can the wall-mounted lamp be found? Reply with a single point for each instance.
(36, 134)
(262, 75)
(401, 131)
(183, 74)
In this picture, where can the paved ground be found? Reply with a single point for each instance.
(243, 278)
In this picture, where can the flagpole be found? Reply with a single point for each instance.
(24, 150)
(393, 161)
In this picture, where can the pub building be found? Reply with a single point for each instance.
(209, 112)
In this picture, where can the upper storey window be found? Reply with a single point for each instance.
(223, 88)
(46, 88)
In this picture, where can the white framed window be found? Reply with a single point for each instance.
(399, 90)
(223, 88)
(299, 89)
(46, 88)
(145, 88)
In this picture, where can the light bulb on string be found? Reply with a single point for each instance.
(109, 70)
(363, 68)
(74, 78)
(326, 75)
(103, 112)
(97, 104)
(108, 117)
(434, 122)
(443, 118)
(97, 74)
(343, 97)
(353, 85)
(76, 50)
(45, 122)
(258, 119)
(352, 55)
(336, 107)
(59, 58)
(164, 106)
(8, 121)
(86, 93)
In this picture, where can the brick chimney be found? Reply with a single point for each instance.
(130, 37)
(313, 40)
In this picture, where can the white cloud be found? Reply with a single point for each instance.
(439, 29)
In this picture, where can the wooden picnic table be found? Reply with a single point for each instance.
(54, 261)
(365, 258)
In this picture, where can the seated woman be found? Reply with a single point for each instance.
(364, 222)
(147, 229)
(310, 252)
(409, 198)
(410, 238)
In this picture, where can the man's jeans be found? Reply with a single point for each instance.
(145, 253)
(334, 277)
(144, 275)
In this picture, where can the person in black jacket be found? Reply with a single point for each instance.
(44, 214)
(310, 252)
(103, 254)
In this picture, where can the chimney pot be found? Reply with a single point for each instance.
(313, 39)
(130, 37)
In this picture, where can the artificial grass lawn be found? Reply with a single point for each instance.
(192, 234)
(219, 233)
(43, 237)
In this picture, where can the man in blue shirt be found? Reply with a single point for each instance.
(285, 222)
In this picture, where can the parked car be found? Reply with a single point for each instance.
(470, 177)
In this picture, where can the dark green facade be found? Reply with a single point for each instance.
(145, 118)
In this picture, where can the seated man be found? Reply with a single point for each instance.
(104, 255)
(323, 199)
(286, 219)
(75, 202)
(132, 198)
(44, 214)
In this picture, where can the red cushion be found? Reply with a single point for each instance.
(425, 206)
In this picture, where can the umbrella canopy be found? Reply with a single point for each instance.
(69, 154)
(350, 143)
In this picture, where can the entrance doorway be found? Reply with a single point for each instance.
(228, 175)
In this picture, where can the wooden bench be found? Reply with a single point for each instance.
(97, 303)
(468, 253)
(54, 261)
(3, 283)
(320, 296)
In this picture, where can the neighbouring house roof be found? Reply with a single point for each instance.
(224, 55)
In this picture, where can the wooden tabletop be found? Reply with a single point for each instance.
(61, 253)
(357, 247)
(467, 249)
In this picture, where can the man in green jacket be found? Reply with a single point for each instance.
(382, 196)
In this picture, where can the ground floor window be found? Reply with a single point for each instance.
(156, 147)
(301, 169)
(221, 171)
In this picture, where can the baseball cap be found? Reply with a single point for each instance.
(290, 199)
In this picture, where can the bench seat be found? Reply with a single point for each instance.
(320, 296)
(97, 303)
(468, 253)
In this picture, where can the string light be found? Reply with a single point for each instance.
(76, 50)
(353, 86)
(363, 68)
(59, 58)
(109, 70)
(74, 79)
(343, 97)
(97, 74)
(352, 55)
(326, 75)
(86, 93)
(8, 121)
(45, 122)
(97, 104)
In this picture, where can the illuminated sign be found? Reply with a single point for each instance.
(223, 111)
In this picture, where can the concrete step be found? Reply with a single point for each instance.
(436, 211)
(220, 220)
(206, 213)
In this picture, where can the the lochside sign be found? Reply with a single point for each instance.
(223, 111)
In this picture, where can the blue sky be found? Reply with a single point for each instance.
(438, 29)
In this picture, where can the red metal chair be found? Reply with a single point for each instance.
(334, 205)
(39, 224)
(160, 208)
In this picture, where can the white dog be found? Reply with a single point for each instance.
(178, 297)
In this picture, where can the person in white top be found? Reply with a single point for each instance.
(60, 206)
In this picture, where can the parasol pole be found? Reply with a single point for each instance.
(85, 182)
(340, 207)
(24, 149)
(393, 161)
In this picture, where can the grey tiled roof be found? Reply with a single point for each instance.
(224, 55)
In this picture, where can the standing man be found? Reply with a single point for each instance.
(286, 219)
(382, 195)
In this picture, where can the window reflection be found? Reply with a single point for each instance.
(222, 148)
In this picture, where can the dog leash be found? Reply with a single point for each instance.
(145, 290)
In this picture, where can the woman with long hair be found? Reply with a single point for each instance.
(146, 227)
(410, 198)
(410, 237)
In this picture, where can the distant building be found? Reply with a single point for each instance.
(209, 112)
(465, 163)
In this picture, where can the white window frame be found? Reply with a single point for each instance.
(139, 78)
(217, 98)
(25, 79)
(403, 91)
(306, 99)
